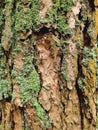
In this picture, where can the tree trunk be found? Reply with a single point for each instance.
(48, 64)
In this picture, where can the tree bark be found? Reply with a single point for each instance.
(48, 64)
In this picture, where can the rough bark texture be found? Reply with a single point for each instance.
(48, 64)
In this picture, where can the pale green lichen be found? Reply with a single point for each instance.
(29, 82)
(81, 83)
(3, 89)
(26, 18)
(3, 74)
(16, 49)
(89, 54)
(57, 16)
(44, 119)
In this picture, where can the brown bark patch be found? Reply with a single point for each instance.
(7, 36)
(49, 63)
(18, 63)
(5, 114)
(17, 119)
(31, 119)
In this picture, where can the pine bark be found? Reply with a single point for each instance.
(48, 64)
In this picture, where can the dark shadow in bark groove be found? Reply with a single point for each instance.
(91, 4)
(23, 118)
(12, 121)
(44, 30)
(79, 92)
(86, 37)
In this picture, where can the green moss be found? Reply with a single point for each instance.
(3, 74)
(26, 18)
(23, 20)
(62, 26)
(16, 49)
(81, 83)
(14, 74)
(65, 5)
(28, 80)
(45, 121)
(88, 78)
(85, 62)
(84, 18)
(29, 83)
(79, 44)
(57, 15)
(89, 54)
(30, 86)
(3, 89)
(65, 75)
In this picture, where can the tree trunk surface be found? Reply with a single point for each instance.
(48, 64)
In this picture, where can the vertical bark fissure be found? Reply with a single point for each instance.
(87, 115)
(80, 95)
(12, 120)
(23, 118)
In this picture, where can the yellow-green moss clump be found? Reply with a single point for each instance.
(87, 80)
